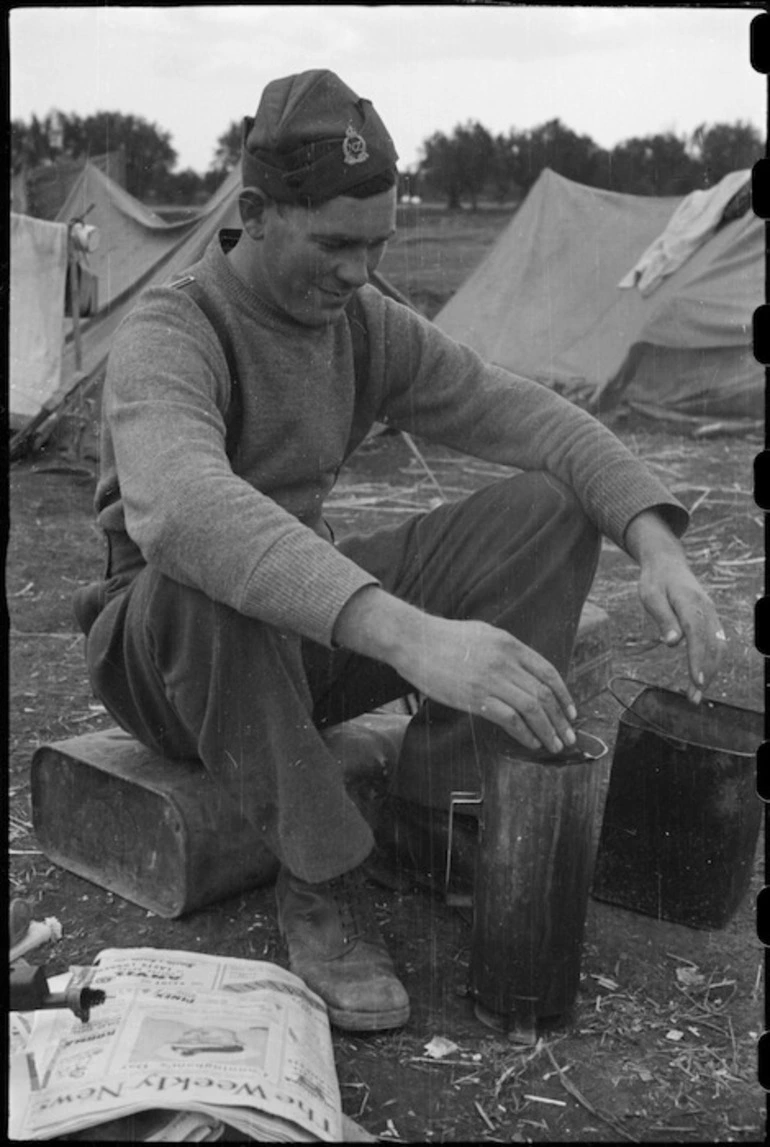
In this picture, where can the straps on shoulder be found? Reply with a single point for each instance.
(234, 411)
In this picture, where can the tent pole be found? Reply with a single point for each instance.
(75, 300)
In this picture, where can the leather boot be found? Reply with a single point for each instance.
(335, 947)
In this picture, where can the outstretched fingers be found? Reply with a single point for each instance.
(508, 719)
(682, 609)
(481, 669)
(705, 638)
(534, 704)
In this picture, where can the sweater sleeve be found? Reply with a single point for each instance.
(443, 391)
(192, 517)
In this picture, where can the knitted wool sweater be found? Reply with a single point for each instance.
(249, 531)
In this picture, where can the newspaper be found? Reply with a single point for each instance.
(243, 1042)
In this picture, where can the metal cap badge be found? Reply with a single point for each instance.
(354, 146)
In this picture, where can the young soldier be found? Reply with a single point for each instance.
(231, 626)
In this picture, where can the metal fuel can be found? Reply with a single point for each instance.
(537, 844)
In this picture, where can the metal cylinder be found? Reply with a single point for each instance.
(537, 844)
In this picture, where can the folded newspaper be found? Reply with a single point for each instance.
(239, 1043)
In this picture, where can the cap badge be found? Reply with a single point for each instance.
(354, 146)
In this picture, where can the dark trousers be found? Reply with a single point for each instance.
(190, 677)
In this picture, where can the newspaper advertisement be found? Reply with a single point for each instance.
(242, 1040)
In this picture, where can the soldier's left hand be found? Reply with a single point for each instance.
(683, 611)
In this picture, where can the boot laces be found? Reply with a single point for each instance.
(356, 912)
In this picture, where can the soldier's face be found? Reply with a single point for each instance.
(314, 258)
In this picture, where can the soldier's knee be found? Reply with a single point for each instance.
(544, 495)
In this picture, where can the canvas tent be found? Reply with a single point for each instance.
(546, 302)
(136, 248)
(40, 191)
(133, 239)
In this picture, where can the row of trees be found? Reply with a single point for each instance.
(472, 163)
(150, 158)
(464, 167)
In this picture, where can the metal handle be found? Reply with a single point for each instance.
(676, 742)
(457, 798)
(585, 755)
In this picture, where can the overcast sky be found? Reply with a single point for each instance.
(610, 73)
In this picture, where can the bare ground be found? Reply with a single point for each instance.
(663, 1044)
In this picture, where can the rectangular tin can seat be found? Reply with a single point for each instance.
(161, 833)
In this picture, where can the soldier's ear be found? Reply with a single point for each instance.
(253, 205)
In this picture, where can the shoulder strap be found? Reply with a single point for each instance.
(233, 417)
(358, 333)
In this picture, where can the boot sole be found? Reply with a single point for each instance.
(368, 1021)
